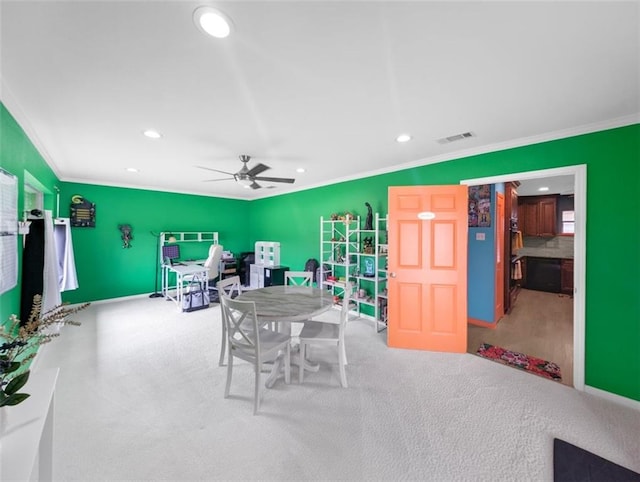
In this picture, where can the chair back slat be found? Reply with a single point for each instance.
(346, 299)
(229, 287)
(298, 278)
(241, 324)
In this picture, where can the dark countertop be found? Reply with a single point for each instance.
(557, 247)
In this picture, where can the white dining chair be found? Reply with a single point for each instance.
(298, 278)
(322, 332)
(229, 287)
(249, 342)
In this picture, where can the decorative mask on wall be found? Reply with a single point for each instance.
(126, 229)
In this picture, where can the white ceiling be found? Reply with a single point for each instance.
(553, 185)
(322, 85)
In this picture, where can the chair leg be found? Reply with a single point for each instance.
(301, 369)
(256, 402)
(223, 345)
(287, 365)
(229, 374)
(344, 353)
(342, 362)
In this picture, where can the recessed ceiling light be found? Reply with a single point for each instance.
(543, 189)
(212, 22)
(132, 169)
(403, 138)
(151, 134)
(300, 169)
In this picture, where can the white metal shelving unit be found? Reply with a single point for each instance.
(370, 278)
(210, 237)
(343, 256)
(339, 243)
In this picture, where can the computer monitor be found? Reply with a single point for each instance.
(170, 252)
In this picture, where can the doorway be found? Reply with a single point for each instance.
(578, 301)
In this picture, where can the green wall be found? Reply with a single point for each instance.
(106, 270)
(612, 352)
(19, 157)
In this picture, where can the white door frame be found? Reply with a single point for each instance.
(579, 173)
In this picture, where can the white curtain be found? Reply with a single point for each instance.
(50, 288)
(67, 278)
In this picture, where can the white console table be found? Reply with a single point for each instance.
(26, 431)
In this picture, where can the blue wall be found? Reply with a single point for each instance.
(481, 267)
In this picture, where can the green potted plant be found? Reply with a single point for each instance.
(19, 345)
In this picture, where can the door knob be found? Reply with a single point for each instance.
(392, 275)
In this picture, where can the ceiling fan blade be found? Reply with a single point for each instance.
(275, 179)
(216, 170)
(255, 185)
(223, 179)
(257, 169)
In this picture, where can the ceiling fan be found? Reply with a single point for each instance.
(248, 177)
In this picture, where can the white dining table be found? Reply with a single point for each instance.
(285, 305)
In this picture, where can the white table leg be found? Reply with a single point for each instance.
(278, 366)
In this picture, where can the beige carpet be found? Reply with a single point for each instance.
(140, 396)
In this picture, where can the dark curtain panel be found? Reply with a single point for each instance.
(32, 268)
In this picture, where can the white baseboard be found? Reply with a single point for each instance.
(113, 300)
(627, 402)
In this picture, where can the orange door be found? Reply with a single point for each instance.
(427, 283)
(500, 263)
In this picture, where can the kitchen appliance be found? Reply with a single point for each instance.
(543, 274)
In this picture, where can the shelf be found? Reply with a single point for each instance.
(345, 239)
(365, 301)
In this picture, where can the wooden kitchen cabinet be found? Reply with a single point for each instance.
(566, 276)
(537, 215)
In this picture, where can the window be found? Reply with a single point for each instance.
(33, 198)
(568, 222)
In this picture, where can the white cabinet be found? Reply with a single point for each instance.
(267, 253)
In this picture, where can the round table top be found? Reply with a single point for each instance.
(288, 303)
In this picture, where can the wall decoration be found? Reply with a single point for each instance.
(126, 229)
(83, 212)
(480, 206)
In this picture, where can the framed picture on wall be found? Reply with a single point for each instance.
(82, 212)
(480, 206)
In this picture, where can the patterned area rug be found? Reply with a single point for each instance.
(532, 364)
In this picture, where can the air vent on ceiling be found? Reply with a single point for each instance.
(457, 137)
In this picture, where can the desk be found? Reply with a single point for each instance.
(180, 272)
(286, 304)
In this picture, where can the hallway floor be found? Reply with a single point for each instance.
(540, 324)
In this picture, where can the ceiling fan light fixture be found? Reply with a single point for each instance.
(212, 22)
(245, 182)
